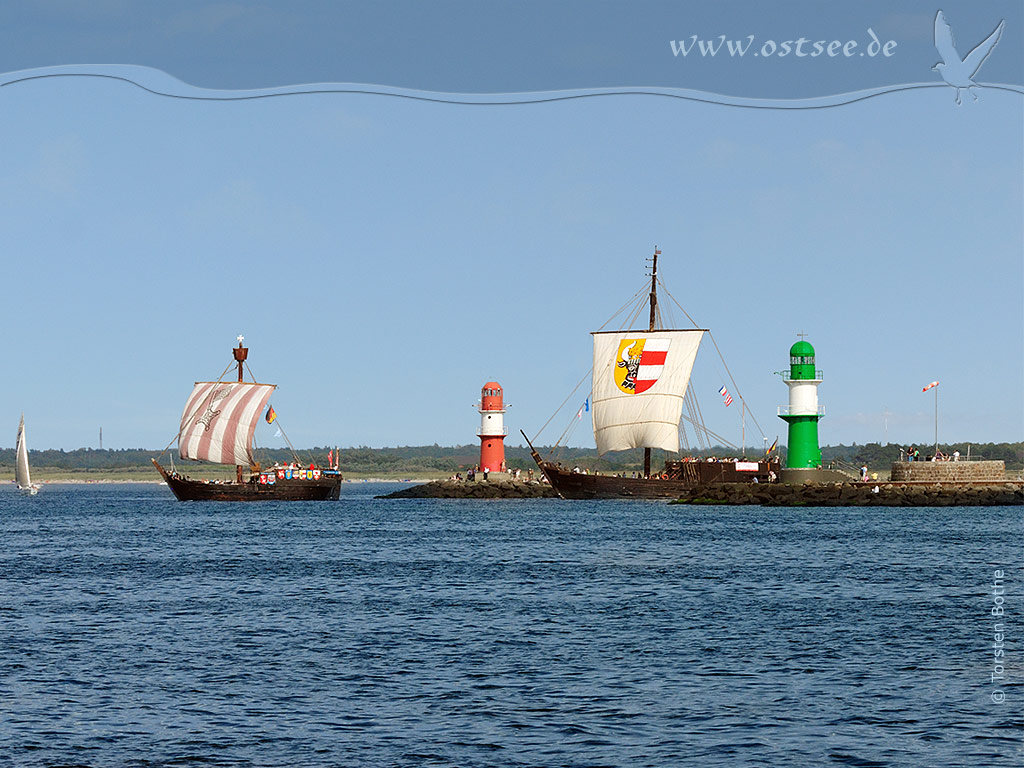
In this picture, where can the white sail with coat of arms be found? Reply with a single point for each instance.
(640, 378)
(219, 421)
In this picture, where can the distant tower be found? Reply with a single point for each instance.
(803, 412)
(492, 428)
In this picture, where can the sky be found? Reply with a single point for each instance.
(384, 257)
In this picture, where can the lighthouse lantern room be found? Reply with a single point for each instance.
(492, 428)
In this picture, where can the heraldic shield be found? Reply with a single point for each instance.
(639, 364)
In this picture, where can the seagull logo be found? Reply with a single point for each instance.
(959, 73)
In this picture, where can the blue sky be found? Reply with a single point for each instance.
(385, 257)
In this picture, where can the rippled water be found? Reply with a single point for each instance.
(139, 631)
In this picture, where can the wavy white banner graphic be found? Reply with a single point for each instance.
(160, 83)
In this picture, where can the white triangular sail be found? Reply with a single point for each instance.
(640, 378)
(219, 421)
(21, 473)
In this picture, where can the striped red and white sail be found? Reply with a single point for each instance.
(219, 421)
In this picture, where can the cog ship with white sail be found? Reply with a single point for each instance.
(639, 391)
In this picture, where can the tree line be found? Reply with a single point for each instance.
(436, 458)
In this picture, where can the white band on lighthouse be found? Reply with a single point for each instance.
(491, 424)
(803, 397)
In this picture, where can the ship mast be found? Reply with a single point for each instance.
(240, 353)
(654, 304)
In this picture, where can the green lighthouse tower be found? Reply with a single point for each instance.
(803, 412)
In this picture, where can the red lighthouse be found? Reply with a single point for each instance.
(492, 428)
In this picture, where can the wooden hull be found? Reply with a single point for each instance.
(679, 478)
(326, 488)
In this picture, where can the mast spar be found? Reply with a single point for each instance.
(240, 353)
(654, 303)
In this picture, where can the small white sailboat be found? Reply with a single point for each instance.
(21, 473)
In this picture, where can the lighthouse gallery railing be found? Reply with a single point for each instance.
(785, 410)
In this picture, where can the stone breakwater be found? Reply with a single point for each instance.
(773, 495)
(858, 495)
(948, 471)
(460, 489)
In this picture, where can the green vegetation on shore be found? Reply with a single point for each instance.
(434, 461)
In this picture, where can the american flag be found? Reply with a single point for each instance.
(725, 393)
(933, 384)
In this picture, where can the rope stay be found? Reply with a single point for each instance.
(721, 357)
(694, 416)
(559, 408)
(295, 455)
(198, 406)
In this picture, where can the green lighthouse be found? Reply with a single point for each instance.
(803, 412)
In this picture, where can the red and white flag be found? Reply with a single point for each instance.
(725, 394)
(933, 384)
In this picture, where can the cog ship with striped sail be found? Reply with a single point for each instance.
(218, 425)
(640, 380)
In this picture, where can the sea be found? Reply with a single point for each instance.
(139, 631)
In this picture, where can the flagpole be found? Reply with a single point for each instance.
(935, 385)
(291, 447)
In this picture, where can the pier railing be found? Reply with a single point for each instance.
(963, 457)
(845, 467)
